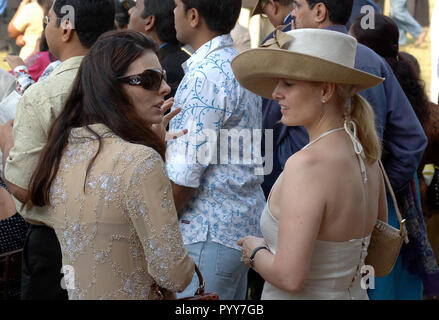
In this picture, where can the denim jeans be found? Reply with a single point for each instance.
(405, 21)
(222, 270)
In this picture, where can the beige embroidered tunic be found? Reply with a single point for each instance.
(123, 231)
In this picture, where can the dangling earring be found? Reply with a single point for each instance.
(323, 100)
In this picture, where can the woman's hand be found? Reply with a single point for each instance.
(14, 61)
(249, 244)
(160, 129)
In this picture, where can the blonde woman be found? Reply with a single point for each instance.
(321, 212)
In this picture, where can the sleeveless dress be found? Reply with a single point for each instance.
(335, 270)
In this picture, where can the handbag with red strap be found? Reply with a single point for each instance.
(200, 294)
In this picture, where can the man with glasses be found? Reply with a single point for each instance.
(69, 36)
(155, 18)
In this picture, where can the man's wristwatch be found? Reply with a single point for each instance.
(252, 257)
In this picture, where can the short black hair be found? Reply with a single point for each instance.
(220, 15)
(163, 12)
(339, 10)
(92, 18)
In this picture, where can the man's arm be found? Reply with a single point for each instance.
(404, 138)
(29, 136)
(182, 195)
(6, 144)
(18, 20)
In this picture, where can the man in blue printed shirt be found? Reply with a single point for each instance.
(219, 199)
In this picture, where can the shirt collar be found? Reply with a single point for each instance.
(287, 18)
(339, 28)
(69, 64)
(206, 49)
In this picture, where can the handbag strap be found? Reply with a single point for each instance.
(158, 290)
(201, 284)
(395, 203)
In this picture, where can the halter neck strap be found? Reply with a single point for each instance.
(351, 129)
(321, 136)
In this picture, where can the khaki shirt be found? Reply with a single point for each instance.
(36, 112)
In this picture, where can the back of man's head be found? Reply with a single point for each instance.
(91, 18)
(339, 10)
(163, 12)
(220, 15)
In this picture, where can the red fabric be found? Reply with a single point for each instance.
(37, 63)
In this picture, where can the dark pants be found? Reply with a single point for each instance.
(41, 266)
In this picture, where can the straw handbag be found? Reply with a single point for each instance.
(386, 241)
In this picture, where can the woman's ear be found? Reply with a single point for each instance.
(327, 91)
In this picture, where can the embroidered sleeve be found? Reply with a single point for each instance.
(152, 210)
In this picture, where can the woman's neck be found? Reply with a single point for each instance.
(323, 125)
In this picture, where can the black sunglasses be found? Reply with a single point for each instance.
(150, 79)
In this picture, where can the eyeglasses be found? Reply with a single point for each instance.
(47, 19)
(150, 79)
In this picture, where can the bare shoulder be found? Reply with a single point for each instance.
(305, 163)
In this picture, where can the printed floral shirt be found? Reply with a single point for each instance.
(228, 199)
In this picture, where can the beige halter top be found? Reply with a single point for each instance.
(335, 270)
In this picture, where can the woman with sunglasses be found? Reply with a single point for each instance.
(102, 171)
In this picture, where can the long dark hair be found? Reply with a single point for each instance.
(384, 41)
(97, 97)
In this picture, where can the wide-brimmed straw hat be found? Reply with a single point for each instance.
(305, 54)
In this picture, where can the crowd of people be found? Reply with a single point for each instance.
(142, 145)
